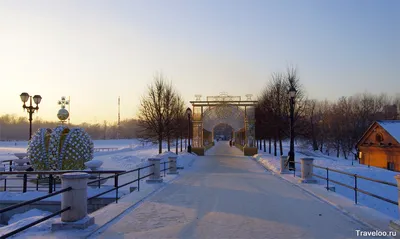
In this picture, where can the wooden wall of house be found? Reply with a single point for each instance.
(379, 157)
(377, 151)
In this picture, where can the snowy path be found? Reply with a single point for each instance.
(232, 197)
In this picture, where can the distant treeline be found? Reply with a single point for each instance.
(334, 126)
(13, 127)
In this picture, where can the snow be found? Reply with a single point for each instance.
(131, 154)
(31, 213)
(231, 197)
(390, 192)
(20, 220)
(392, 127)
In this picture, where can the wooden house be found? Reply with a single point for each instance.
(380, 145)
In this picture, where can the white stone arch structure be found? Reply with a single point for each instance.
(231, 110)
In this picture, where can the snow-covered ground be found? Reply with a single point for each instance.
(341, 164)
(131, 154)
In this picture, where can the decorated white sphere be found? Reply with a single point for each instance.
(60, 149)
(63, 114)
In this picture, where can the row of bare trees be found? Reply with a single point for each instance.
(327, 126)
(340, 124)
(13, 127)
(272, 111)
(161, 114)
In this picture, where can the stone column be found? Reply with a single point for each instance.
(76, 198)
(76, 217)
(284, 169)
(307, 170)
(396, 224)
(155, 178)
(172, 165)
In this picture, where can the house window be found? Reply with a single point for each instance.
(378, 137)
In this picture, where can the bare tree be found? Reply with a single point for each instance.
(178, 121)
(105, 129)
(152, 111)
(158, 112)
(170, 101)
(324, 109)
(311, 124)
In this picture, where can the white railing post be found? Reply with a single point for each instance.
(76, 217)
(307, 171)
(155, 177)
(284, 169)
(172, 165)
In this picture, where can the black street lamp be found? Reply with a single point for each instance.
(24, 98)
(189, 114)
(292, 94)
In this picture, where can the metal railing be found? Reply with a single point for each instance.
(355, 185)
(104, 149)
(137, 180)
(3, 210)
(51, 187)
(116, 181)
(50, 182)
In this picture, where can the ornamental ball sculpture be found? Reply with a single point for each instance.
(60, 149)
(63, 114)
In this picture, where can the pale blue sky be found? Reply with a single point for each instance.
(95, 51)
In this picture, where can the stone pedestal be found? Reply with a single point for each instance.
(284, 169)
(172, 165)
(307, 171)
(396, 224)
(76, 198)
(155, 178)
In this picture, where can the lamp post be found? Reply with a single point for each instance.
(189, 114)
(24, 98)
(292, 95)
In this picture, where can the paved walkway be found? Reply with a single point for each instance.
(231, 196)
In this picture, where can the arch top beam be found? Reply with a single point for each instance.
(215, 103)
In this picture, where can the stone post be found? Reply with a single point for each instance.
(396, 224)
(284, 169)
(307, 170)
(172, 165)
(155, 178)
(76, 217)
(2, 169)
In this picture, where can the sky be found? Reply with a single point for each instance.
(97, 51)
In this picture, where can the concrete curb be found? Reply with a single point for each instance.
(325, 200)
